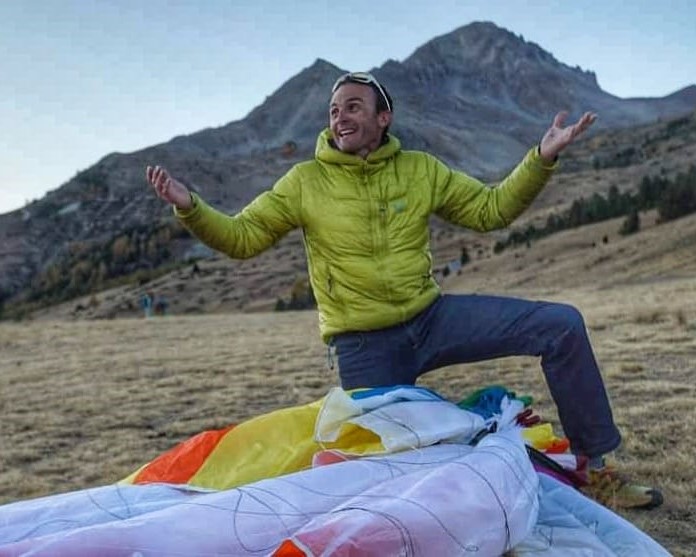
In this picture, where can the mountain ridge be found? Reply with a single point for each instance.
(477, 97)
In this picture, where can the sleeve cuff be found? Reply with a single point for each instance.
(184, 213)
(542, 161)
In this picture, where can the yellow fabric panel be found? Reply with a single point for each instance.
(273, 444)
(541, 436)
(130, 480)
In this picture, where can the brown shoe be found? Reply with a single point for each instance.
(613, 489)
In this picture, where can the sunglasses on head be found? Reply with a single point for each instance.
(365, 79)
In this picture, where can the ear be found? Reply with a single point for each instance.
(384, 119)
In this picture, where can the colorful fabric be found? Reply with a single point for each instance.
(266, 446)
(291, 439)
(486, 401)
(440, 498)
(542, 438)
(414, 503)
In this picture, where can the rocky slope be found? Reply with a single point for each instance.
(477, 97)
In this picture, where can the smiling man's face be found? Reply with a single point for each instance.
(356, 126)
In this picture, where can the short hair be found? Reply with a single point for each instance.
(383, 102)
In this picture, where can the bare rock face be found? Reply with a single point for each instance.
(477, 97)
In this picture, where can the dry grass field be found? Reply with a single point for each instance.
(88, 395)
(83, 403)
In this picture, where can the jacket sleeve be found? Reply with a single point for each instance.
(257, 227)
(463, 200)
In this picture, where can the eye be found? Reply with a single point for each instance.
(333, 112)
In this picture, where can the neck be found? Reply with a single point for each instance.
(364, 152)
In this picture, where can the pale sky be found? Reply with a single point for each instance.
(80, 79)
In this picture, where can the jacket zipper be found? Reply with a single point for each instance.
(380, 232)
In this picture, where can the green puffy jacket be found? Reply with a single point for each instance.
(365, 224)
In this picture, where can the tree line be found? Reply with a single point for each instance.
(672, 199)
(141, 253)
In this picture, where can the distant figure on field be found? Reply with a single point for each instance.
(363, 204)
(161, 305)
(146, 304)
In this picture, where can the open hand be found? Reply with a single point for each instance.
(558, 138)
(167, 188)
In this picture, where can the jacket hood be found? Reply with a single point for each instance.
(325, 152)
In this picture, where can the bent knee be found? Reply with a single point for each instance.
(565, 316)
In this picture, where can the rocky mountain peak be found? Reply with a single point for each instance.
(488, 56)
(290, 113)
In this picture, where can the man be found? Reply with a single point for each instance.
(363, 204)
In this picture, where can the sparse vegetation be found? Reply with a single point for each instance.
(632, 223)
(137, 255)
(672, 198)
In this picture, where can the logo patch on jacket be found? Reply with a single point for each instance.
(399, 206)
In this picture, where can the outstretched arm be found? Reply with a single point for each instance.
(258, 226)
(558, 138)
(468, 202)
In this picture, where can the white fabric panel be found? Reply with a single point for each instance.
(404, 418)
(254, 519)
(483, 504)
(66, 511)
(571, 525)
